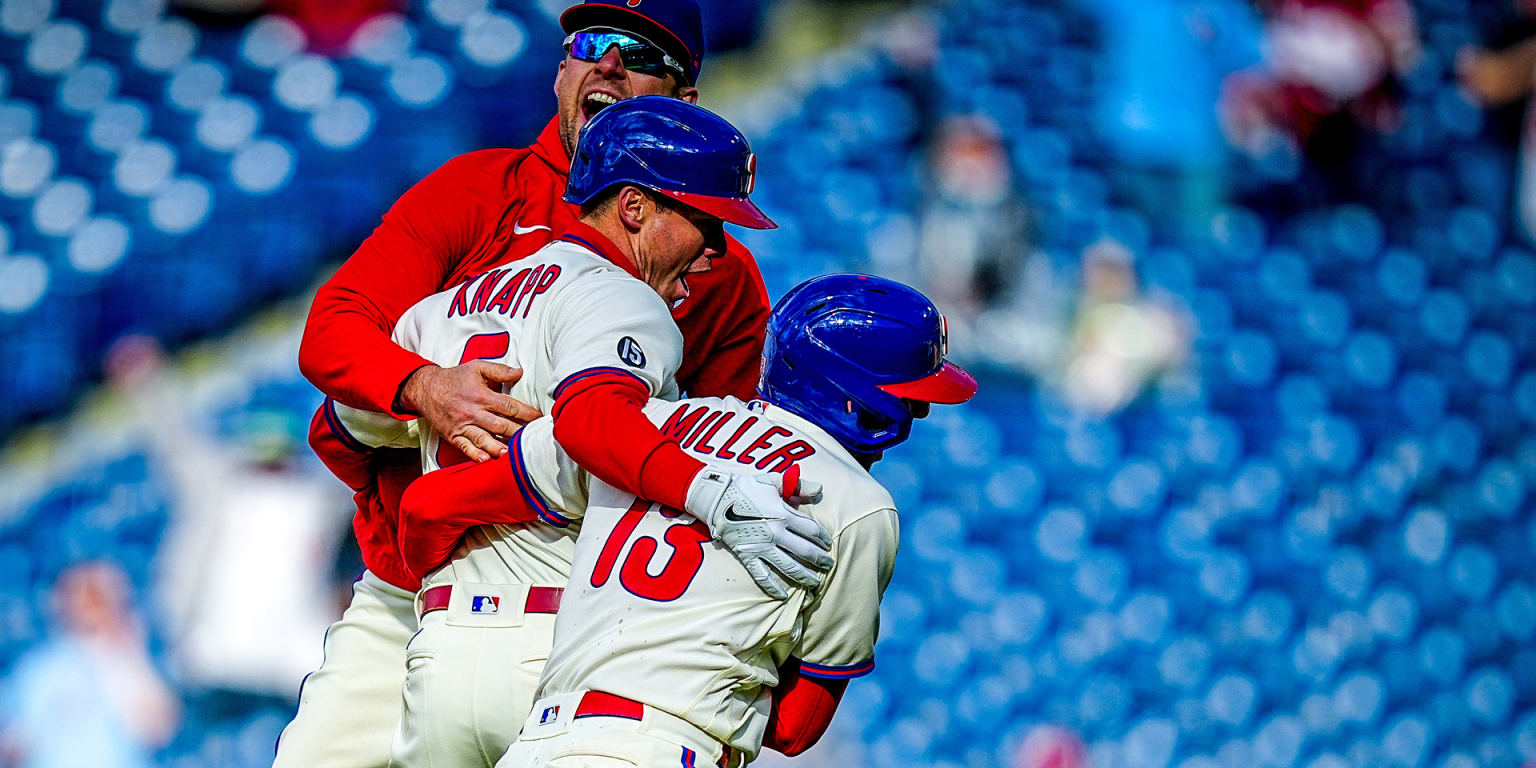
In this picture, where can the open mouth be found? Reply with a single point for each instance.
(596, 102)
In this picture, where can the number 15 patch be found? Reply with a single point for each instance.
(631, 353)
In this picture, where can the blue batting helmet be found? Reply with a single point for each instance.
(844, 351)
(677, 149)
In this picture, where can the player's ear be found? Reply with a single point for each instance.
(687, 93)
(633, 206)
(559, 73)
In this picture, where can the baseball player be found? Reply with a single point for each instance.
(655, 178)
(664, 653)
(479, 211)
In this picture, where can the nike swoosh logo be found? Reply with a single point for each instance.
(518, 229)
(730, 514)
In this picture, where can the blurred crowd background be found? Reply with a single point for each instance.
(1249, 284)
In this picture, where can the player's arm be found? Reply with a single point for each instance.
(346, 439)
(534, 481)
(614, 346)
(346, 350)
(724, 349)
(838, 640)
(802, 709)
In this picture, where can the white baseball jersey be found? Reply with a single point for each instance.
(562, 314)
(658, 612)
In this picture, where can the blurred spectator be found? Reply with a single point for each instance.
(1498, 73)
(330, 23)
(1121, 340)
(1164, 60)
(973, 237)
(1050, 746)
(1329, 78)
(251, 536)
(1500, 77)
(89, 696)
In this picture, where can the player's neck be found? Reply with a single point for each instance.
(613, 230)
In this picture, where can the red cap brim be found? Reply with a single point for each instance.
(950, 385)
(736, 210)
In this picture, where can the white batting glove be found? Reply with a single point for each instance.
(748, 515)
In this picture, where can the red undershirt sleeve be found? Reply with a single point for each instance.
(600, 423)
(438, 508)
(347, 459)
(802, 709)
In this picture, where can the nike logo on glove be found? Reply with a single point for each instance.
(519, 229)
(730, 514)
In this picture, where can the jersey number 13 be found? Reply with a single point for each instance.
(687, 544)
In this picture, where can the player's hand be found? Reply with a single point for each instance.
(465, 406)
(748, 515)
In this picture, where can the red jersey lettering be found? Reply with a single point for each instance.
(681, 421)
(784, 457)
(762, 441)
(725, 451)
(487, 289)
(503, 301)
(703, 424)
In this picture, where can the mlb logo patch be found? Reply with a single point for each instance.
(549, 715)
(484, 604)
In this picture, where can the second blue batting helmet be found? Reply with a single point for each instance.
(678, 149)
(844, 351)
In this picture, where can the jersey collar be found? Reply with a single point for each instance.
(551, 150)
(818, 435)
(584, 235)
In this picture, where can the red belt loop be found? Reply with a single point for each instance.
(436, 599)
(543, 600)
(540, 599)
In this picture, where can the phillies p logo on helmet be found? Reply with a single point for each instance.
(751, 172)
(633, 3)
